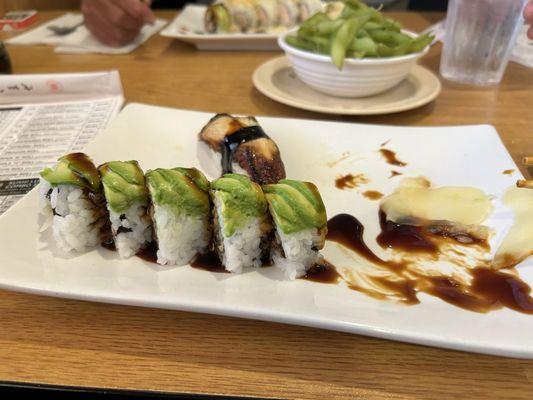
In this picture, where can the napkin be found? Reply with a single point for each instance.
(522, 52)
(81, 40)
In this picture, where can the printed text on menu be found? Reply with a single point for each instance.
(34, 136)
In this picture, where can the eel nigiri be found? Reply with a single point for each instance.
(241, 222)
(243, 143)
(71, 193)
(127, 202)
(300, 222)
(180, 213)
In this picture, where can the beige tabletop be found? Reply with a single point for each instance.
(66, 342)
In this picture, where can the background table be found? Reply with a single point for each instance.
(77, 343)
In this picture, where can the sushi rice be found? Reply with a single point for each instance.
(127, 203)
(299, 252)
(242, 249)
(241, 223)
(180, 213)
(300, 222)
(132, 229)
(75, 217)
(179, 237)
(71, 199)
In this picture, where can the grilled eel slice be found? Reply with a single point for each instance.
(242, 141)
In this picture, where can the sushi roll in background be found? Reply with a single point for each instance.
(180, 213)
(218, 19)
(232, 16)
(71, 194)
(300, 224)
(288, 12)
(309, 8)
(267, 14)
(249, 16)
(241, 222)
(243, 14)
(127, 202)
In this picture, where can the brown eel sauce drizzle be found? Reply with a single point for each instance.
(234, 140)
(488, 289)
(323, 272)
(149, 253)
(208, 261)
(373, 195)
(390, 157)
(83, 162)
(350, 181)
(420, 239)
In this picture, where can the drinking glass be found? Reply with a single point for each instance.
(480, 35)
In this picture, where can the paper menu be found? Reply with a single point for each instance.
(45, 116)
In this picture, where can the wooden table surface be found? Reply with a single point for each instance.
(65, 342)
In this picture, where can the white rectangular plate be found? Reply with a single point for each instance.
(160, 137)
(188, 26)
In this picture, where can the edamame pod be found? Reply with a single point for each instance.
(355, 30)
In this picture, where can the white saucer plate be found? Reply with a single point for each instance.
(277, 80)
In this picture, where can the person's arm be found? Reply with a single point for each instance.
(115, 22)
(528, 16)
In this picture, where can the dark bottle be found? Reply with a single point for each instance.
(5, 62)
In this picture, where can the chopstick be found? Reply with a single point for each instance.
(525, 183)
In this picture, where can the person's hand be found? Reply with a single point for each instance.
(528, 16)
(116, 22)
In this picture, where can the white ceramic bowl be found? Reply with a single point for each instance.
(358, 78)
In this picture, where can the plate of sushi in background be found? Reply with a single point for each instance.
(239, 24)
(356, 228)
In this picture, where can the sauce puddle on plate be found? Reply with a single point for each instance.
(323, 272)
(394, 173)
(486, 290)
(373, 195)
(350, 181)
(391, 158)
(208, 261)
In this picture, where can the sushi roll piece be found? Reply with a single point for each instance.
(243, 14)
(71, 196)
(218, 19)
(288, 13)
(180, 212)
(267, 14)
(232, 16)
(300, 223)
(127, 202)
(244, 148)
(309, 8)
(241, 222)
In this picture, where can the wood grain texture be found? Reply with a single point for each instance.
(39, 5)
(87, 344)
